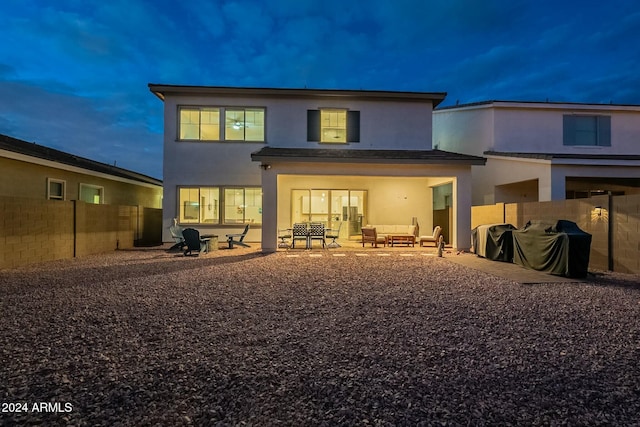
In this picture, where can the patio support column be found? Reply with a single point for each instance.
(558, 184)
(269, 210)
(551, 185)
(462, 204)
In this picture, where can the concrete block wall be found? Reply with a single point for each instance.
(103, 228)
(580, 211)
(487, 214)
(33, 230)
(626, 234)
(618, 250)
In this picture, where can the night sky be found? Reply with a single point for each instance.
(74, 73)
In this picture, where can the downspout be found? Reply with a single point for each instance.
(610, 231)
(75, 226)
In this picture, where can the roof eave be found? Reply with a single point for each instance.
(431, 157)
(160, 90)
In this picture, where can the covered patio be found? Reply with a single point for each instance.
(360, 187)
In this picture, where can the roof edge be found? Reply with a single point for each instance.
(365, 156)
(515, 103)
(37, 151)
(160, 90)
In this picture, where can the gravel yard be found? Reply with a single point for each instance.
(239, 338)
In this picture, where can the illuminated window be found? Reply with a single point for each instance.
(333, 125)
(203, 205)
(56, 189)
(91, 194)
(203, 124)
(243, 205)
(587, 130)
(200, 124)
(199, 205)
(244, 124)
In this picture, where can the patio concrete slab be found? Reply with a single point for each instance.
(506, 270)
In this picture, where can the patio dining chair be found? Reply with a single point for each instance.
(333, 234)
(316, 232)
(300, 232)
(284, 235)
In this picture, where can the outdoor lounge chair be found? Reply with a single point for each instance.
(193, 242)
(433, 238)
(370, 235)
(238, 238)
(176, 234)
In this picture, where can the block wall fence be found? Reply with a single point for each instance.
(33, 230)
(613, 222)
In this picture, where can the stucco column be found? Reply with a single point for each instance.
(461, 238)
(269, 210)
(551, 185)
(558, 184)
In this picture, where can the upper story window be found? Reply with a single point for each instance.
(203, 124)
(333, 125)
(587, 130)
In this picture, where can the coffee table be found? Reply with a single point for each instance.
(404, 239)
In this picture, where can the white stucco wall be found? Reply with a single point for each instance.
(533, 128)
(383, 125)
(467, 130)
(529, 127)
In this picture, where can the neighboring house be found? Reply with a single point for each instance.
(274, 157)
(542, 151)
(35, 171)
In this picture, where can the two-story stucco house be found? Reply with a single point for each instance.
(274, 157)
(541, 151)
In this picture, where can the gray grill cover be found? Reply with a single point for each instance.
(493, 241)
(559, 248)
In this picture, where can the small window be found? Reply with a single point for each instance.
(91, 194)
(56, 189)
(587, 130)
(333, 126)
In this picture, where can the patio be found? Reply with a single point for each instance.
(348, 337)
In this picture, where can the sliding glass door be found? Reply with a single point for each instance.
(335, 208)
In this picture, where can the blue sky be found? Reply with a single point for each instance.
(74, 73)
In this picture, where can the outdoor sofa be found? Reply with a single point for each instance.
(396, 233)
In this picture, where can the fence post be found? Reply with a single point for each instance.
(610, 230)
